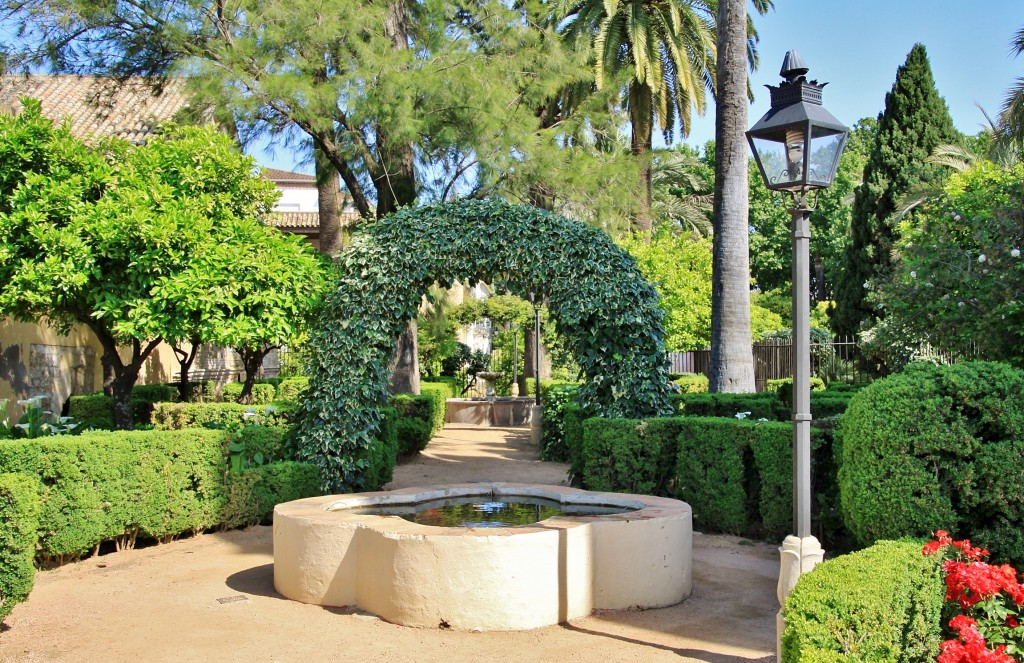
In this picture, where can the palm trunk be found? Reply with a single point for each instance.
(642, 124)
(732, 361)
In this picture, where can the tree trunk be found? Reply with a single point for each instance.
(331, 238)
(405, 371)
(119, 377)
(641, 121)
(396, 187)
(185, 361)
(395, 183)
(732, 361)
(252, 359)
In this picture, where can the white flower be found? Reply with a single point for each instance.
(865, 284)
(982, 258)
(1015, 253)
(913, 275)
(956, 217)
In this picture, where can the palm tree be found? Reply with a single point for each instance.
(1013, 108)
(732, 362)
(662, 52)
(683, 192)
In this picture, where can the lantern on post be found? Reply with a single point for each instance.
(797, 145)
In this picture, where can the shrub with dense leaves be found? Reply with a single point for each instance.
(262, 393)
(19, 531)
(115, 486)
(879, 604)
(438, 392)
(690, 383)
(599, 302)
(937, 446)
(553, 442)
(291, 389)
(736, 474)
(175, 416)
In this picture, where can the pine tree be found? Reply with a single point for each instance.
(914, 122)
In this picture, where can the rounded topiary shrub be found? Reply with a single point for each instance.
(937, 447)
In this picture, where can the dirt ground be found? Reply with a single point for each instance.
(212, 598)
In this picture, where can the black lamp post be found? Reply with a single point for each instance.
(797, 145)
(536, 346)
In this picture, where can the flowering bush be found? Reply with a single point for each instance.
(985, 600)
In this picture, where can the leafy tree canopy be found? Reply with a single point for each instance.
(915, 121)
(959, 282)
(679, 266)
(101, 236)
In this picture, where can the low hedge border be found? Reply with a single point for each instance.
(262, 393)
(103, 486)
(176, 416)
(882, 603)
(439, 393)
(19, 531)
(736, 474)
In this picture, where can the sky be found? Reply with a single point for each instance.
(857, 45)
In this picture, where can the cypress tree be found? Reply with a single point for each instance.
(914, 122)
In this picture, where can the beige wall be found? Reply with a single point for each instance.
(36, 360)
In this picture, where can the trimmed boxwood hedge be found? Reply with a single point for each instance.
(176, 416)
(938, 447)
(762, 405)
(19, 531)
(103, 486)
(439, 393)
(629, 455)
(253, 493)
(290, 389)
(415, 426)
(262, 392)
(883, 603)
(736, 474)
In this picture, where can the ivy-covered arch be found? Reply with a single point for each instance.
(596, 296)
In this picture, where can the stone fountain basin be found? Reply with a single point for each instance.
(513, 578)
(502, 411)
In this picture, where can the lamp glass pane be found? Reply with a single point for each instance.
(826, 147)
(781, 157)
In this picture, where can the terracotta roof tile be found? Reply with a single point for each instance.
(278, 175)
(96, 105)
(306, 220)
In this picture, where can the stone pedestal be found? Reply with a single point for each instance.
(798, 556)
(536, 424)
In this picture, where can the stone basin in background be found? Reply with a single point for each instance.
(503, 412)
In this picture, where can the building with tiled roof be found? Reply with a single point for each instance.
(98, 105)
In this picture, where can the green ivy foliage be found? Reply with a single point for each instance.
(597, 298)
(937, 447)
(883, 603)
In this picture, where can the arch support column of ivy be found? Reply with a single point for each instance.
(595, 294)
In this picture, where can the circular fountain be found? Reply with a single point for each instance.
(330, 551)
